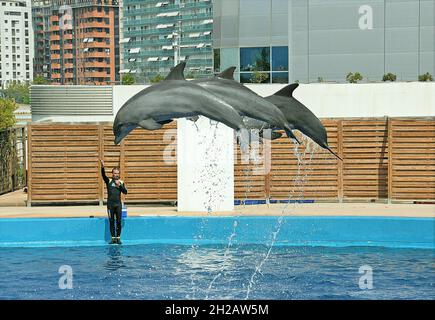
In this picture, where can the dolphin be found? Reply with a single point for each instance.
(246, 102)
(297, 114)
(172, 98)
(300, 116)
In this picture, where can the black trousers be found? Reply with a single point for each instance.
(115, 213)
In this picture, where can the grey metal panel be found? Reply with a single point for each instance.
(71, 100)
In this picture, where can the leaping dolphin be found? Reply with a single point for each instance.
(246, 102)
(300, 116)
(297, 114)
(172, 98)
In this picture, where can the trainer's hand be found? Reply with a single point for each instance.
(117, 182)
(102, 163)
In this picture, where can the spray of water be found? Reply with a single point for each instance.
(299, 180)
(225, 260)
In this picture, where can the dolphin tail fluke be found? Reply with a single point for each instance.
(329, 149)
(291, 135)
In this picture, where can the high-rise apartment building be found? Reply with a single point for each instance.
(83, 41)
(16, 42)
(156, 34)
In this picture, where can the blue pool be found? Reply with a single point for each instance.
(219, 258)
(216, 272)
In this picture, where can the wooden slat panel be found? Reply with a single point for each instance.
(413, 159)
(63, 163)
(315, 176)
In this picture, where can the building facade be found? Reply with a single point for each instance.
(157, 34)
(16, 42)
(315, 40)
(83, 41)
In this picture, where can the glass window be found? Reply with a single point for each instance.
(280, 58)
(279, 77)
(255, 77)
(255, 59)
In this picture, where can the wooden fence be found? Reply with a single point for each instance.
(384, 158)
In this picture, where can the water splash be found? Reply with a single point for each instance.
(299, 180)
(225, 259)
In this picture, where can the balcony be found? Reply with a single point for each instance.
(55, 56)
(54, 37)
(93, 64)
(67, 46)
(94, 34)
(97, 74)
(69, 75)
(96, 44)
(68, 65)
(94, 14)
(55, 75)
(68, 56)
(54, 47)
(96, 55)
(67, 36)
(96, 24)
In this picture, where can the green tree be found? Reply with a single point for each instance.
(19, 92)
(128, 79)
(389, 77)
(354, 77)
(262, 62)
(40, 80)
(259, 77)
(7, 116)
(190, 75)
(425, 77)
(157, 78)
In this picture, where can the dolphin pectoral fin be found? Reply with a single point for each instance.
(194, 118)
(291, 135)
(150, 124)
(329, 149)
(273, 136)
(165, 121)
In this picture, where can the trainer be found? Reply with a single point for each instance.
(114, 205)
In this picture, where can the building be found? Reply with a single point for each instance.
(157, 34)
(317, 40)
(16, 42)
(41, 11)
(82, 38)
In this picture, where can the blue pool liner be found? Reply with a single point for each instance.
(397, 232)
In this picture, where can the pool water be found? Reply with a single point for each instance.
(216, 272)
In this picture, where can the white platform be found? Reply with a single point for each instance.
(205, 165)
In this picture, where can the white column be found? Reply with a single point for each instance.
(205, 165)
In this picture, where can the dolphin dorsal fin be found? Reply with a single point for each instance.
(228, 73)
(287, 91)
(177, 72)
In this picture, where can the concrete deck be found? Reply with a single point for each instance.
(312, 209)
(12, 205)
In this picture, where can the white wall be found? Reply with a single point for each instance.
(122, 93)
(325, 100)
